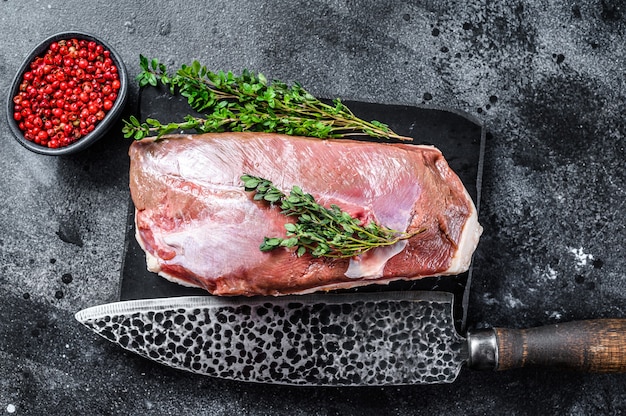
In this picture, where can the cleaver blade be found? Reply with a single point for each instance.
(354, 339)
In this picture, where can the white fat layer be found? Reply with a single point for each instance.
(468, 242)
(152, 262)
(373, 265)
(178, 280)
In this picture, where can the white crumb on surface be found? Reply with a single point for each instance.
(488, 299)
(582, 258)
(550, 273)
(512, 302)
(554, 315)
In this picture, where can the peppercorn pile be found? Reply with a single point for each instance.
(66, 92)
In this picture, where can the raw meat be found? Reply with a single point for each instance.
(199, 227)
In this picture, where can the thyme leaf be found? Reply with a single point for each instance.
(247, 102)
(320, 231)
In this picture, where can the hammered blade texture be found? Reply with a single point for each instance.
(337, 341)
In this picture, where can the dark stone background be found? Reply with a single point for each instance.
(546, 79)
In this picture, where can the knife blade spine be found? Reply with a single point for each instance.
(191, 302)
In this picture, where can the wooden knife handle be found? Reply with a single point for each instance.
(597, 345)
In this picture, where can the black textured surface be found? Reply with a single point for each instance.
(548, 81)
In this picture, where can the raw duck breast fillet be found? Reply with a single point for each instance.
(200, 228)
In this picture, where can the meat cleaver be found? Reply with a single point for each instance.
(349, 339)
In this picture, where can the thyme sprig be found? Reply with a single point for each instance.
(317, 229)
(248, 102)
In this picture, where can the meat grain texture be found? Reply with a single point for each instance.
(200, 228)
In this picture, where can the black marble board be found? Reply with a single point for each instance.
(460, 137)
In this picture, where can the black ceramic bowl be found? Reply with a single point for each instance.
(101, 128)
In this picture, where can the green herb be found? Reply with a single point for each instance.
(248, 102)
(319, 230)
